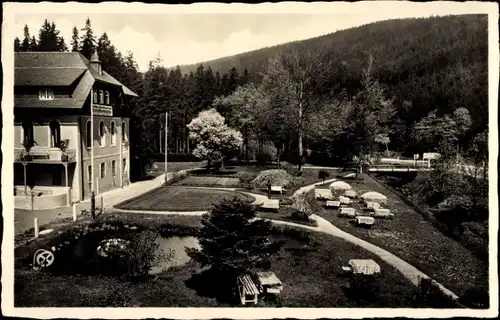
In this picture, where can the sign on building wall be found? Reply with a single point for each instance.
(100, 110)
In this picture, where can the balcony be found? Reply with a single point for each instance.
(45, 155)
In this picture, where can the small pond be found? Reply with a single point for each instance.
(172, 252)
(107, 252)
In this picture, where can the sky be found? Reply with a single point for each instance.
(187, 38)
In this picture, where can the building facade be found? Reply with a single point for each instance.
(65, 106)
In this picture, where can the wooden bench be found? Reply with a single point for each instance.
(247, 290)
(364, 220)
(383, 213)
(344, 200)
(277, 189)
(271, 204)
(268, 282)
(323, 194)
(347, 212)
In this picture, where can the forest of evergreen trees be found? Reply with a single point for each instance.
(421, 65)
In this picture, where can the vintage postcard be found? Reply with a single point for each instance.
(250, 161)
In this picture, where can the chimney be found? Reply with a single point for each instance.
(95, 63)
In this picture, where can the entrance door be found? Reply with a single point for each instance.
(56, 175)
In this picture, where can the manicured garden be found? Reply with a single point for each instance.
(308, 265)
(178, 198)
(412, 238)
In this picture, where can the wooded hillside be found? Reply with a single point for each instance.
(432, 63)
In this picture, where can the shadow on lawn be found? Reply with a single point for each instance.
(214, 284)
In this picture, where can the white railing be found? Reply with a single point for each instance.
(40, 154)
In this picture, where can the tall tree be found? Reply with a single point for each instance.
(88, 42)
(111, 61)
(371, 115)
(75, 41)
(233, 80)
(232, 241)
(26, 44)
(49, 39)
(17, 45)
(246, 108)
(33, 44)
(290, 80)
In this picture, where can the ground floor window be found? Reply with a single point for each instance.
(89, 175)
(113, 168)
(124, 165)
(103, 170)
(56, 175)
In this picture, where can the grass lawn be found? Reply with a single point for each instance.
(308, 177)
(284, 214)
(177, 198)
(175, 166)
(197, 181)
(308, 266)
(409, 236)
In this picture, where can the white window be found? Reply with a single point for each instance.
(46, 94)
(55, 133)
(88, 135)
(106, 93)
(113, 133)
(102, 134)
(89, 175)
(28, 133)
(123, 132)
(95, 98)
(113, 168)
(101, 96)
(103, 170)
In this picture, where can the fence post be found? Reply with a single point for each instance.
(74, 212)
(102, 203)
(37, 230)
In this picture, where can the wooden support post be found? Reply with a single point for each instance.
(66, 173)
(67, 183)
(74, 212)
(166, 146)
(37, 230)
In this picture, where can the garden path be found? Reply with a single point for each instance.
(409, 271)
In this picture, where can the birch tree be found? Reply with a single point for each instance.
(290, 80)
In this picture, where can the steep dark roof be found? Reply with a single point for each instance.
(58, 69)
(46, 76)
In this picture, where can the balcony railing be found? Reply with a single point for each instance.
(44, 155)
